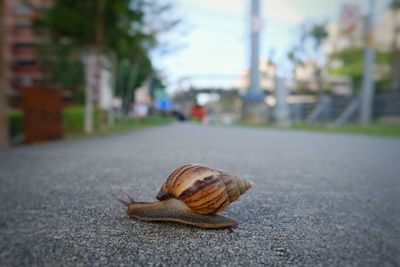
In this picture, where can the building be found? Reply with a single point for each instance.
(22, 68)
(384, 32)
(268, 71)
(385, 38)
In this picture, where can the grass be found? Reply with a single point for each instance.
(73, 118)
(121, 125)
(376, 128)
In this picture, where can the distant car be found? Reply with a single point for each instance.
(178, 115)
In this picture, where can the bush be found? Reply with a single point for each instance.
(73, 119)
(15, 121)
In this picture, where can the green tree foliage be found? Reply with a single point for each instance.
(317, 33)
(309, 43)
(395, 4)
(349, 62)
(129, 32)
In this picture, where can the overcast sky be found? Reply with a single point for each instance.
(216, 39)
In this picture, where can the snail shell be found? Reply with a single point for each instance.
(204, 190)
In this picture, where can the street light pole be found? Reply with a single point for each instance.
(254, 106)
(368, 82)
(254, 88)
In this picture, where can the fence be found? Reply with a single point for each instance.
(331, 107)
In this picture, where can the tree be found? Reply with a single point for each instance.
(129, 32)
(318, 33)
(309, 46)
(123, 30)
(294, 58)
(349, 62)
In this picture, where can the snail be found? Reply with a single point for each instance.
(193, 194)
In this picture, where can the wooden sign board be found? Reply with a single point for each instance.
(42, 115)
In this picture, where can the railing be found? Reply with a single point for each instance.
(387, 104)
(342, 109)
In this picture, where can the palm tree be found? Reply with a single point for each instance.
(318, 35)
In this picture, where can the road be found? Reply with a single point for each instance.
(318, 199)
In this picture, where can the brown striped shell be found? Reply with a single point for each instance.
(203, 189)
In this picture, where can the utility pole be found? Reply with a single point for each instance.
(254, 106)
(281, 110)
(3, 101)
(254, 88)
(93, 71)
(99, 65)
(89, 92)
(367, 93)
(395, 6)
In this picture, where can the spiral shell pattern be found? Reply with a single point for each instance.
(204, 190)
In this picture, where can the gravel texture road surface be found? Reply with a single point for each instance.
(318, 199)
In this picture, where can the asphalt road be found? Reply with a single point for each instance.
(318, 199)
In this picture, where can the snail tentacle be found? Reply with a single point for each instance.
(124, 202)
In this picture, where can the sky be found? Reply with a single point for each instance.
(216, 33)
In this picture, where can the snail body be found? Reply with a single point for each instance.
(192, 194)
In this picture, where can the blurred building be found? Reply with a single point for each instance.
(344, 36)
(306, 72)
(268, 71)
(348, 31)
(22, 69)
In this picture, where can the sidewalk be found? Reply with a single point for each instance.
(318, 199)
